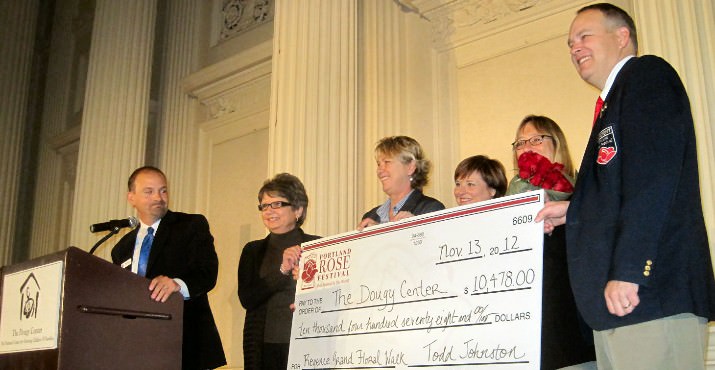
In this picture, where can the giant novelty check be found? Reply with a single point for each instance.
(452, 288)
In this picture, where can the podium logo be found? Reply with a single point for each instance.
(29, 297)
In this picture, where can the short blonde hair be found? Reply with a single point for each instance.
(407, 150)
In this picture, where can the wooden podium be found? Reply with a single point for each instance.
(72, 311)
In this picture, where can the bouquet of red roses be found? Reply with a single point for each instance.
(537, 172)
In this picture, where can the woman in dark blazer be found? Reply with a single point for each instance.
(403, 171)
(265, 290)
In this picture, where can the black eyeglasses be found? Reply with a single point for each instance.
(274, 205)
(535, 140)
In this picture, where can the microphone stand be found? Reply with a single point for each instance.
(112, 232)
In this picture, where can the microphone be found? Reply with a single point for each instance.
(131, 222)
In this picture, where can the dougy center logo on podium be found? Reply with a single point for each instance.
(325, 269)
(31, 305)
(29, 297)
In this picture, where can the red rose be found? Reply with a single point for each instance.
(540, 172)
(563, 186)
(524, 173)
(537, 179)
(528, 164)
(543, 165)
(551, 178)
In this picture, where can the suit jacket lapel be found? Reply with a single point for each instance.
(602, 121)
(411, 201)
(160, 237)
(126, 247)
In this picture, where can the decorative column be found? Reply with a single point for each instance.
(177, 132)
(682, 32)
(60, 130)
(400, 93)
(312, 131)
(115, 118)
(382, 58)
(17, 37)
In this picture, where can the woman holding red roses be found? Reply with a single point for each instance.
(265, 288)
(547, 161)
(543, 161)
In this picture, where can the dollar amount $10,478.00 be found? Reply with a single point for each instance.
(502, 281)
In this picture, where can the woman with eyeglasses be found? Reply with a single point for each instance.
(265, 288)
(403, 171)
(542, 135)
(565, 338)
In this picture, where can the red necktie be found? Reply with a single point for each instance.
(599, 105)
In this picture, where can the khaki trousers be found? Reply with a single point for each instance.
(671, 343)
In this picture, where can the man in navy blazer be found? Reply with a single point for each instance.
(638, 252)
(182, 260)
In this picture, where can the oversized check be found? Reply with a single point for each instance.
(452, 288)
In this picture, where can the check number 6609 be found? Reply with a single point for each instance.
(520, 220)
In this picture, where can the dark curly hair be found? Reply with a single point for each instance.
(290, 187)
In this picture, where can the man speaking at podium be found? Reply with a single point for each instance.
(176, 251)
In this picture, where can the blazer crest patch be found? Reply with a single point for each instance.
(607, 147)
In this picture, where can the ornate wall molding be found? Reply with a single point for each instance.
(455, 23)
(245, 100)
(238, 16)
(223, 88)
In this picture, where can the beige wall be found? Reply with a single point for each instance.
(237, 170)
(232, 114)
(496, 93)
(493, 67)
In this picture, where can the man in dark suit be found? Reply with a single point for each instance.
(181, 259)
(638, 252)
